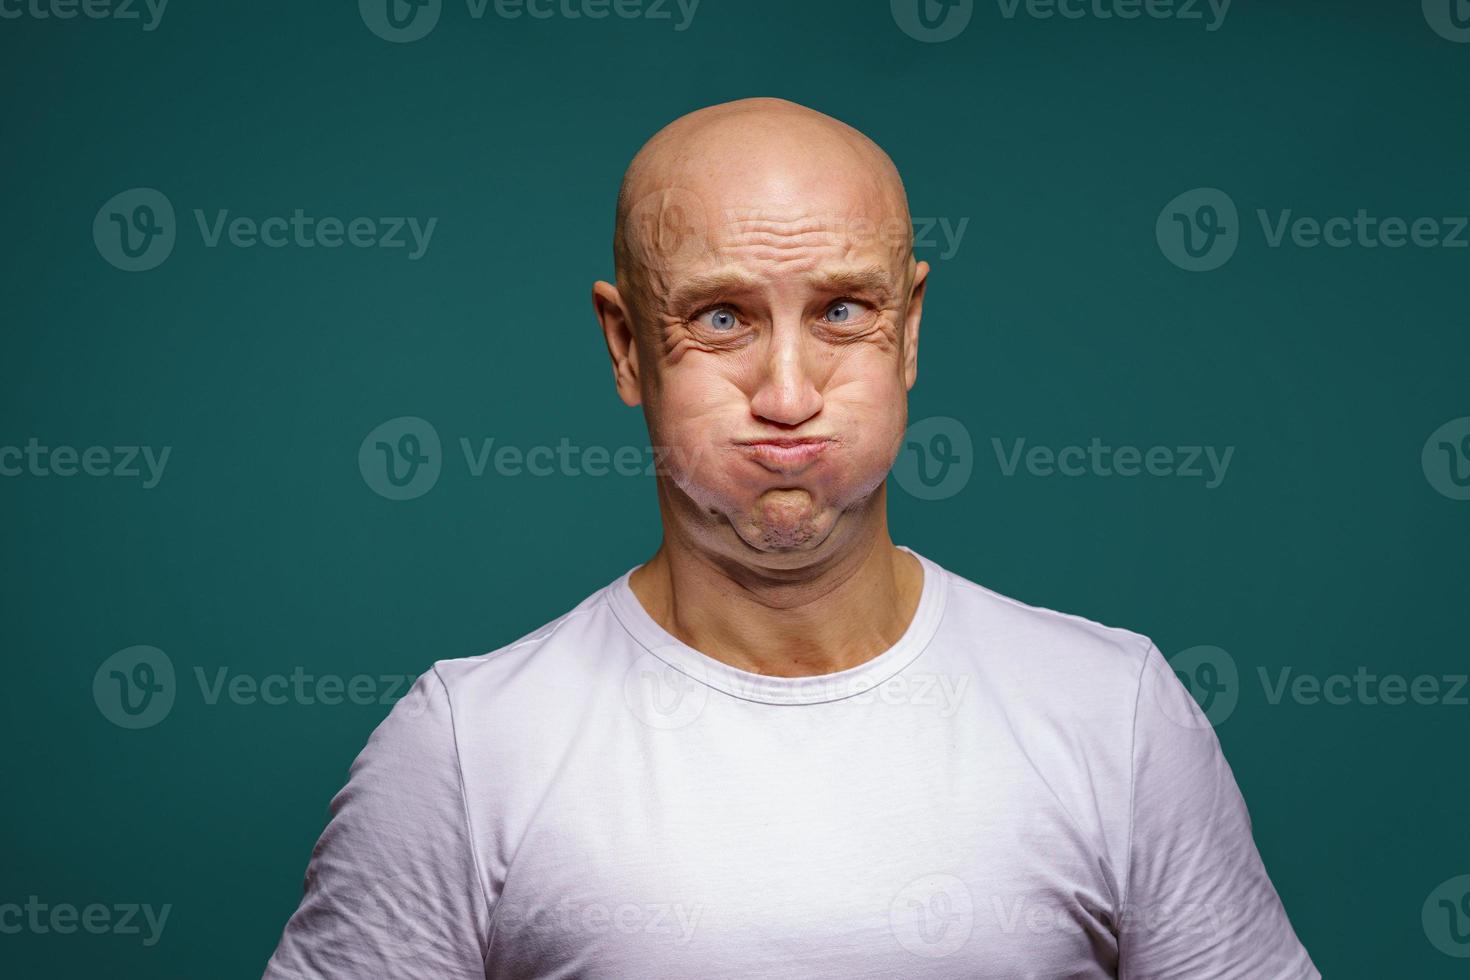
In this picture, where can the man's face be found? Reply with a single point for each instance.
(776, 339)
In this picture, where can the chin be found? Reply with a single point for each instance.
(774, 513)
(782, 540)
(786, 520)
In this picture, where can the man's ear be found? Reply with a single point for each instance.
(911, 325)
(622, 345)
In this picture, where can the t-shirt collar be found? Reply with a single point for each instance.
(785, 690)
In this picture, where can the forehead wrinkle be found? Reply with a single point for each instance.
(793, 143)
(797, 243)
(781, 258)
(831, 226)
(786, 236)
(778, 244)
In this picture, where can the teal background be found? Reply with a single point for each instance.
(263, 549)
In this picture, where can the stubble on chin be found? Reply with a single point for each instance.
(784, 519)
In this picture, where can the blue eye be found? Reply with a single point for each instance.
(845, 311)
(721, 319)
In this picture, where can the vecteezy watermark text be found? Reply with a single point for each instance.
(935, 21)
(136, 230)
(300, 687)
(666, 697)
(1210, 13)
(306, 231)
(403, 458)
(675, 921)
(1210, 675)
(1200, 230)
(149, 13)
(403, 21)
(676, 223)
(63, 919)
(126, 462)
(1208, 463)
(1364, 686)
(135, 688)
(937, 456)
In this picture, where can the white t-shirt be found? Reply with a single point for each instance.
(1006, 792)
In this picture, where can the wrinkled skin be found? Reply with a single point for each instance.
(766, 290)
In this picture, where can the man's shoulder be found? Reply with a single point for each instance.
(547, 673)
(560, 644)
(1053, 674)
(1019, 635)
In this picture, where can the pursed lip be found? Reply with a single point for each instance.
(785, 452)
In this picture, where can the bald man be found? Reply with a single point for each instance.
(783, 746)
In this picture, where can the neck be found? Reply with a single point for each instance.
(850, 603)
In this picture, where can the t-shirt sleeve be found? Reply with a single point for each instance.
(1198, 902)
(392, 888)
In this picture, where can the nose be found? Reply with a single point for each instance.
(786, 393)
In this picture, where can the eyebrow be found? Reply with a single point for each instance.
(708, 287)
(863, 279)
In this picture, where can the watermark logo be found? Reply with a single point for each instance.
(401, 459)
(134, 688)
(669, 225)
(400, 21)
(1446, 917)
(1450, 19)
(1446, 459)
(932, 21)
(933, 916)
(661, 696)
(1199, 230)
(1211, 677)
(135, 229)
(935, 459)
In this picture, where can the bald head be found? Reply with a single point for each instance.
(727, 162)
(766, 316)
